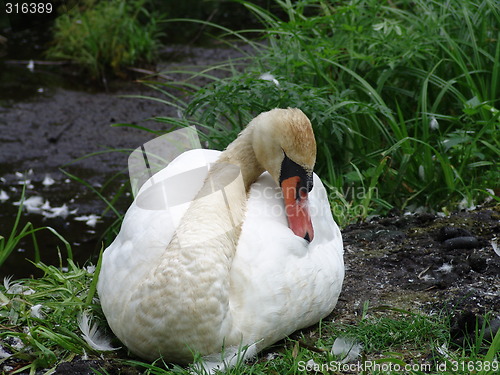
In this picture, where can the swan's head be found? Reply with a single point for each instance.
(284, 144)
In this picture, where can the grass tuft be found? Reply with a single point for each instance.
(39, 317)
(106, 36)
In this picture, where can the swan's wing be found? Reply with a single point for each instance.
(149, 224)
(279, 282)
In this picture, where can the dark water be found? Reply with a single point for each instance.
(51, 120)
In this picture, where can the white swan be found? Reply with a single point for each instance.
(226, 270)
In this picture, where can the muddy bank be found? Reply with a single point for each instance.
(424, 262)
(63, 129)
(55, 127)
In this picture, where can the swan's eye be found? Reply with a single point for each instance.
(289, 168)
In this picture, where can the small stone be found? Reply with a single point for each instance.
(448, 232)
(466, 242)
(477, 263)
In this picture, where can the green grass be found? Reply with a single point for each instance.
(105, 37)
(389, 337)
(403, 97)
(41, 340)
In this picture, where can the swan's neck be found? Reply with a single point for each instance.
(219, 207)
(192, 277)
(241, 154)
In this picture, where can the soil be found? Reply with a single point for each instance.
(418, 262)
(424, 262)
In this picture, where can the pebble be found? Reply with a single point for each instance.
(477, 263)
(464, 242)
(448, 232)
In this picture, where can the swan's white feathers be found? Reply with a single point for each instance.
(165, 293)
(291, 294)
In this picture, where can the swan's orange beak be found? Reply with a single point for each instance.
(296, 207)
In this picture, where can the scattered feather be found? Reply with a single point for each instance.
(32, 204)
(446, 268)
(269, 77)
(16, 288)
(46, 206)
(52, 212)
(3, 196)
(6, 282)
(434, 124)
(27, 183)
(31, 66)
(443, 350)
(426, 278)
(90, 269)
(4, 353)
(271, 356)
(215, 363)
(36, 311)
(421, 172)
(489, 197)
(466, 205)
(48, 181)
(36, 205)
(346, 348)
(91, 334)
(20, 289)
(90, 220)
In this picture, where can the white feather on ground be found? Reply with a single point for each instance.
(3, 196)
(90, 332)
(36, 311)
(16, 288)
(90, 220)
(346, 348)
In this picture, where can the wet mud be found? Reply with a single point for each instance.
(68, 135)
(424, 262)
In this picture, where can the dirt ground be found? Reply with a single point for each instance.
(424, 262)
(415, 262)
